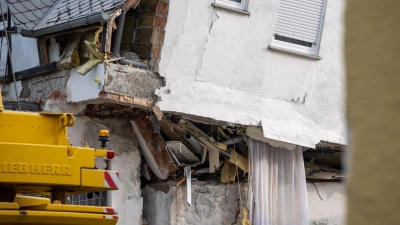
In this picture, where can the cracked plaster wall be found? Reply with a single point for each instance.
(127, 160)
(217, 64)
(212, 204)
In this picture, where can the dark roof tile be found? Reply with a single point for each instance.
(35, 14)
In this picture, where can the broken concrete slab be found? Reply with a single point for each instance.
(134, 82)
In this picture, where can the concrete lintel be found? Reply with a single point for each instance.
(118, 84)
(105, 83)
(126, 100)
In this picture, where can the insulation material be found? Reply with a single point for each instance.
(85, 68)
(239, 160)
(97, 55)
(70, 56)
(228, 172)
(244, 221)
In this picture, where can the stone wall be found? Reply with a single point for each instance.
(212, 204)
(218, 204)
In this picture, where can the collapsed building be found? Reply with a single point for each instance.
(198, 134)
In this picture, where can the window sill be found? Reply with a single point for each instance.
(293, 52)
(230, 8)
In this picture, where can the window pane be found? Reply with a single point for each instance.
(238, 1)
(293, 41)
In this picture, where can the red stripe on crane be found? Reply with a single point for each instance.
(110, 210)
(109, 180)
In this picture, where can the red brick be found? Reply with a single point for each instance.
(156, 51)
(161, 38)
(162, 9)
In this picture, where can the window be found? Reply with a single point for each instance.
(237, 4)
(298, 26)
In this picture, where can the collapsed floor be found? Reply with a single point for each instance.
(157, 193)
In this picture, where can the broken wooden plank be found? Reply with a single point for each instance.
(201, 134)
(85, 68)
(112, 60)
(70, 57)
(213, 155)
(129, 4)
(43, 50)
(109, 30)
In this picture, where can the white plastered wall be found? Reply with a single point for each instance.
(127, 159)
(332, 209)
(217, 65)
(128, 198)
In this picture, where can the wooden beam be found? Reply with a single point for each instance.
(43, 50)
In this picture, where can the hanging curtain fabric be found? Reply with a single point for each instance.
(277, 194)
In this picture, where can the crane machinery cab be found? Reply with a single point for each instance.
(37, 158)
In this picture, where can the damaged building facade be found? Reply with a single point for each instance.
(219, 110)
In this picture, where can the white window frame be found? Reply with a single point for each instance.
(294, 47)
(305, 50)
(239, 6)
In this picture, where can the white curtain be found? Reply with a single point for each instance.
(277, 194)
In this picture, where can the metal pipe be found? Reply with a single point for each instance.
(8, 38)
(1, 102)
(117, 45)
(135, 31)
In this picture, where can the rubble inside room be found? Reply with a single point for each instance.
(213, 150)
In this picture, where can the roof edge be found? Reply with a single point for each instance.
(44, 18)
(99, 17)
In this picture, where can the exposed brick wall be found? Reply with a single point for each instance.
(157, 39)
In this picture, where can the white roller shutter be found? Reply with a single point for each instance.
(300, 19)
(298, 26)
